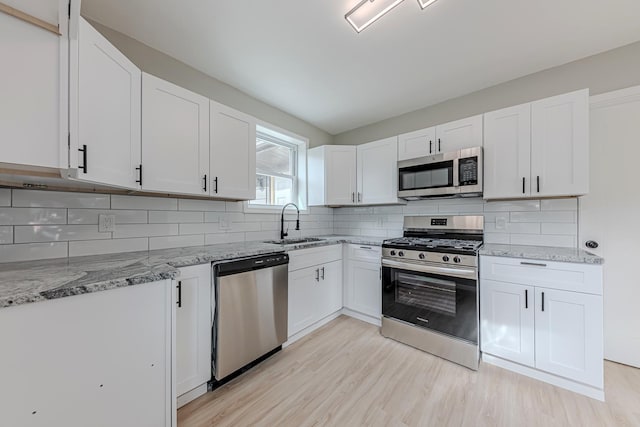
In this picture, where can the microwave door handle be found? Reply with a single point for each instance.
(456, 172)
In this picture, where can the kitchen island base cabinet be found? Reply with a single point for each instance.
(102, 358)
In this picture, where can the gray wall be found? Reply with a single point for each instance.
(611, 70)
(157, 63)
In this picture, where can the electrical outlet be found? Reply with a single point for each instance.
(501, 223)
(224, 222)
(106, 223)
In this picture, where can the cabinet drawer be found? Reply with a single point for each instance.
(574, 277)
(303, 258)
(366, 253)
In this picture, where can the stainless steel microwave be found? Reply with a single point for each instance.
(457, 173)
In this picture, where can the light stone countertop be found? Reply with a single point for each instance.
(542, 253)
(33, 281)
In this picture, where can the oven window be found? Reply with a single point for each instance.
(425, 292)
(433, 175)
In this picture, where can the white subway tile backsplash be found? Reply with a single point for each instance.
(168, 217)
(559, 228)
(202, 228)
(59, 199)
(144, 203)
(111, 246)
(559, 204)
(175, 241)
(91, 216)
(6, 235)
(215, 239)
(544, 216)
(33, 251)
(5, 197)
(543, 240)
(201, 205)
(32, 216)
(57, 233)
(145, 230)
(234, 206)
(514, 227)
(502, 238)
(512, 206)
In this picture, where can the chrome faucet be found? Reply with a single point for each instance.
(283, 233)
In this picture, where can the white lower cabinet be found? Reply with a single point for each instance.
(363, 285)
(315, 287)
(102, 358)
(193, 331)
(545, 320)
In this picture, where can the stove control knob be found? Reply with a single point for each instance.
(456, 259)
(445, 258)
(421, 256)
(392, 253)
(400, 253)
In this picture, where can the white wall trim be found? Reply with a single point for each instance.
(622, 96)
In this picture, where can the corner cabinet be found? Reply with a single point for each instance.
(545, 320)
(193, 332)
(539, 149)
(105, 139)
(232, 153)
(366, 174)
(175, 138)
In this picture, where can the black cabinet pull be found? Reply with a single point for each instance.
(439, 145)
(430, 145)
(205, 182)
(543, 301)
(317, 274)
(322, 269)
(523, 180)
(83, 150)
(526, 298)
(538, 182)
(353, 197)
(139, 168)
(179, 302)
(215, 181)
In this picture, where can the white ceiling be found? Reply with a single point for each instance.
(302, 57)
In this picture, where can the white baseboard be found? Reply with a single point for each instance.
(361, 316)
(309, 329)
(586, 390)
(187, 397)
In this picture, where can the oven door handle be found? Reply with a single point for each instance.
(463, 273)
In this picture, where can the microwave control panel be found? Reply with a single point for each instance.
(468, 171)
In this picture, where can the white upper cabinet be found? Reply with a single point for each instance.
(419, 143)
(539, 149)
(332, 175)
(233, 154)
(463, 133)
(175, 138)
(378, 172)
(34, 85)
(560, 145)
(507, 152)
(105, 138)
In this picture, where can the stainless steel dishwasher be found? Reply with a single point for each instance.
(250, 311)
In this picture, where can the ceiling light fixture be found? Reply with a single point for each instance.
(368, 11)
(425, 3)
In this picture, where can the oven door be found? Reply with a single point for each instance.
(442, 299)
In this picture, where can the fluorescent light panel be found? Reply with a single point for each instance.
(368, 11)
(425, 3)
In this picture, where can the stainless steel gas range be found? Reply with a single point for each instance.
(430, 286)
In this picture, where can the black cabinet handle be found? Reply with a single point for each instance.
(205, 182)
(139, 168)
(430, 145)
(322, 269)
(523, 181)
(215, 181)
(83, 150)
(543, 301)
(526, 298)
(538, 182)
(439, 145)
(317, 274)
(179, 302)
(353, 197)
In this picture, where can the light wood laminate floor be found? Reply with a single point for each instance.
(347, 374)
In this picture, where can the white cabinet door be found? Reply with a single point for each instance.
(34, 87)
(175, 138)
(340, 175)
(328, 290)
(232, 154)
(560, 145)
(417, 144)
(507, 153)
(507, 314)
(463, 133)
(568, 335)
(105, 131)
(378, 172)
(303, 305)
(193, 327)
(364, 288)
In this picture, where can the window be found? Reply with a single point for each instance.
(280, 170)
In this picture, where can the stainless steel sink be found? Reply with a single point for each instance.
(294, 241)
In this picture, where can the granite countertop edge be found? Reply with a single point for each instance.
(34, 281)
(541, 253)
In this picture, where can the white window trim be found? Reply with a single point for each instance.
(301, 172)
